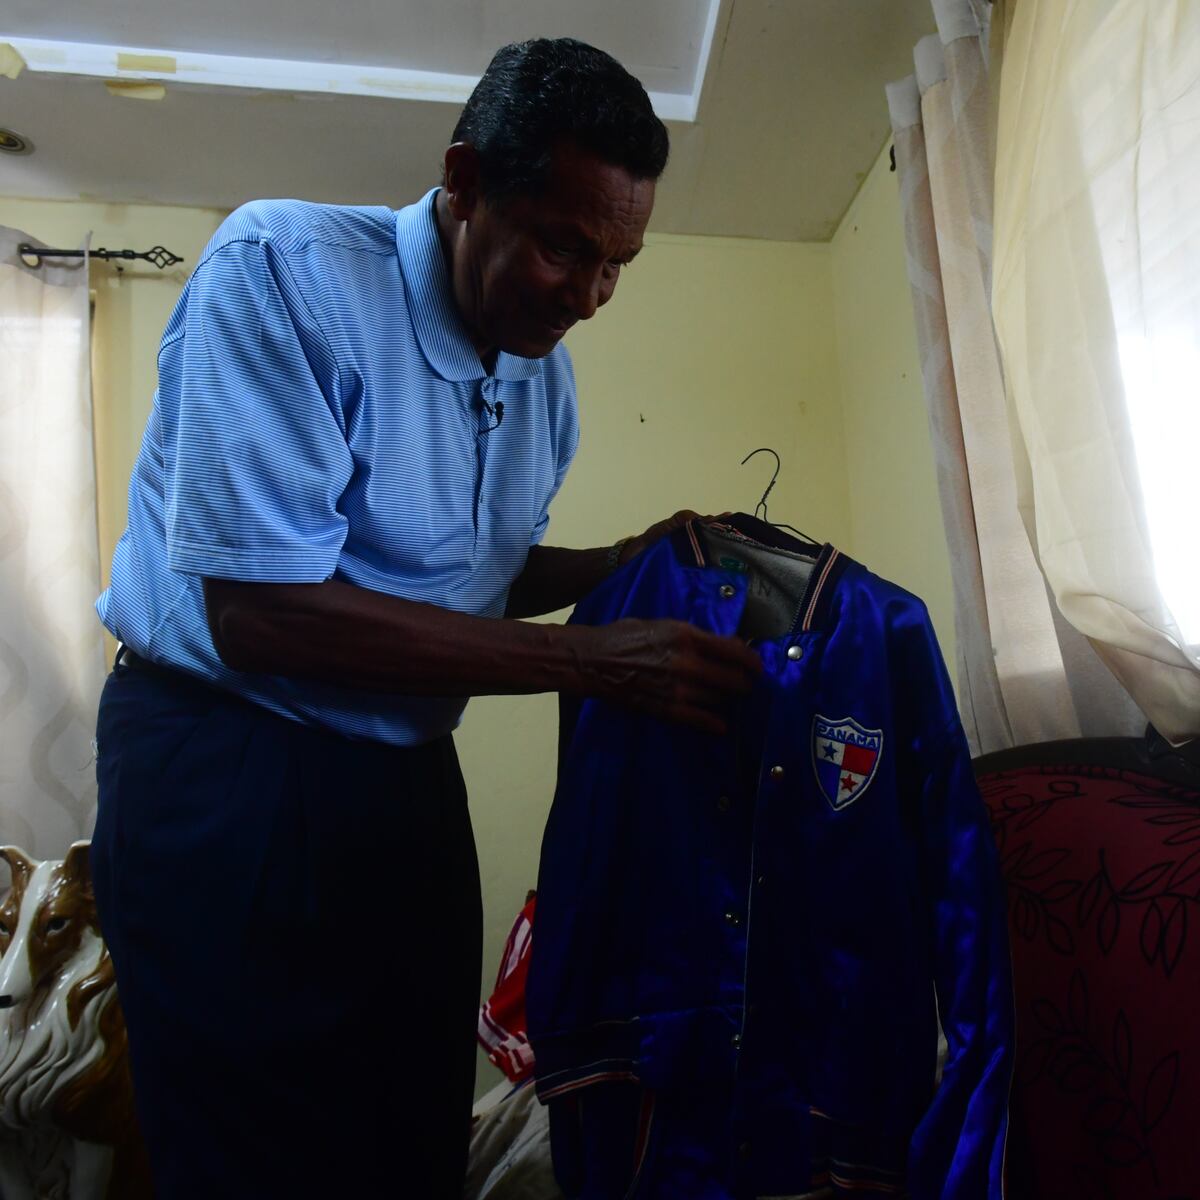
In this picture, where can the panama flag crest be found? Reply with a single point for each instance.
(845, 756)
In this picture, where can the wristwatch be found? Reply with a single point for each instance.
(613, 560)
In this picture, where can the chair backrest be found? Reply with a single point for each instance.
(1102, 866)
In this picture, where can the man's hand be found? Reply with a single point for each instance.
(556, 578)
(660, 529)
(667, 669)
(670, 669)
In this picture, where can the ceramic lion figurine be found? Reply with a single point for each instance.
(67, 1126)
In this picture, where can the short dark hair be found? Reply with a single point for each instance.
(535, 94)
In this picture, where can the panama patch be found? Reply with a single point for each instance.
(845, 757)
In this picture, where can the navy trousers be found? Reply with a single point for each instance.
(295, 923)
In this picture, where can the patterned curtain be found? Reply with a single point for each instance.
(51, 648)
(1024, 674)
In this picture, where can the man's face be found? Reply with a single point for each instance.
(527, 268)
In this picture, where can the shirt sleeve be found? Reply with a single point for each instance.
(257, 460)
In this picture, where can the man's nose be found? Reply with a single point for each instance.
(585, 294)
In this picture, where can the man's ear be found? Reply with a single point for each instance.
(461, 180)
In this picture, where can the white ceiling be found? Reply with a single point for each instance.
(269, 97)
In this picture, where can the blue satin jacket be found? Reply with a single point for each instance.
(785, 912)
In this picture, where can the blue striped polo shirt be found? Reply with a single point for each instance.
(320, 414)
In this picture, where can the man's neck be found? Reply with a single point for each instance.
(449, 233)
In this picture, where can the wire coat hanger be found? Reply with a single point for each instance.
(760, 509)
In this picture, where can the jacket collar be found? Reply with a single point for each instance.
(816, 605)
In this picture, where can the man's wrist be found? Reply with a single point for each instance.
(613, 559)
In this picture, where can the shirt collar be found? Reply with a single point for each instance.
(439, 328)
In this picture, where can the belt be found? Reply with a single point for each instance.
(127, 658)
(173, 675)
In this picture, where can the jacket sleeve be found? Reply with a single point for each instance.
(957, 1151)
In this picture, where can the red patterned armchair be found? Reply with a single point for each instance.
(1099, 845)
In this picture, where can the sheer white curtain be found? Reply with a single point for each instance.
(1024, 675)
(51, 648)
(1097, 307)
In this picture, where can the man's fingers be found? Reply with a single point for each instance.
(660, 529)
(697, 708)
(721, 680)
(730, 652)
(675, 671)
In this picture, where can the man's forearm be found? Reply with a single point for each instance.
(335, 633)
(555, 578)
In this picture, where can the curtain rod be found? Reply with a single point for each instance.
(157, 255)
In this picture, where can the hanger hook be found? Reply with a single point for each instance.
(763, 502)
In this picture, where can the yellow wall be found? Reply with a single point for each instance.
(895, 517)
(711, 348)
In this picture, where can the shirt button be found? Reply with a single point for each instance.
(795, 653)
(761, 881)
(776, 773)
(736, 1041)
(723, 804)
(727, 591)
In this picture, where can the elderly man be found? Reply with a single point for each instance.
(362, 418)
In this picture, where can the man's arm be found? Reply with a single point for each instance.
(555, 578)
(340, 634)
